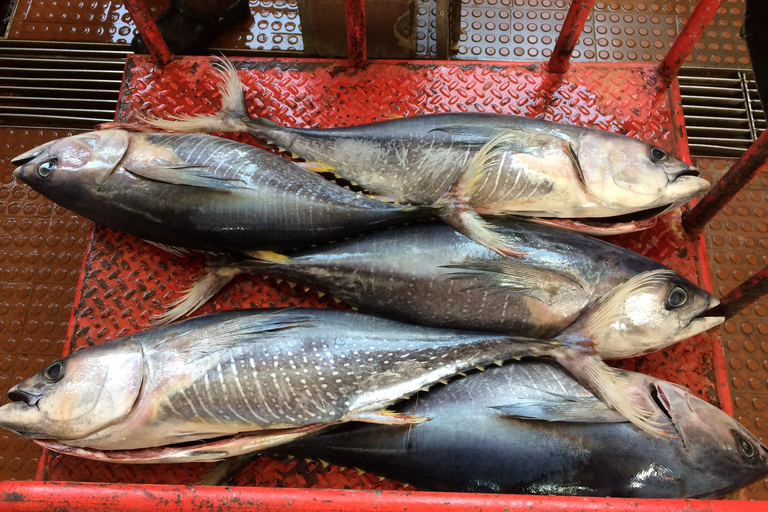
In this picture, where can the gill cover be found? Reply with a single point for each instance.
(627, 174)
(649, 312)
(98, 153)
(76, 396)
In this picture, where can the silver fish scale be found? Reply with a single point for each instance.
(254, 166)
(310, 382)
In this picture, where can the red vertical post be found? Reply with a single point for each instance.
(150, 34)
(703, 13)
(356, 45)
(569, 35)
(734, 180)
(746, 294)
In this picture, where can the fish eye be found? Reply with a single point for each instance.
(745, 446)
(54, 372)
(46, 168)
(677, 298)
(658, 155)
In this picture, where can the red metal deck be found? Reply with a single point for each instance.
(125, 282)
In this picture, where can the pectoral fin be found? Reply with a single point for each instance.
(386, 418)
(587, 410)
(606, 384)
(236, 332)
(539, 283)
(515, 140)
(189, 175)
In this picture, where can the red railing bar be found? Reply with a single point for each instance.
(700, 17)
(150, 34)
(569, 35)
(734, 180)
(354, 10)
(89, 497)
(744, 295)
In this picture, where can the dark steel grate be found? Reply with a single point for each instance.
(48, 85)
(76, 86)
(723, 113)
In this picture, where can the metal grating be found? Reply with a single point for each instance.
(47, 85)
(723, 113)
(76, 86)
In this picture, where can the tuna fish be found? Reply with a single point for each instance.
(238, 382)
(535, 168)
(431, 275)
(201, 192)
(598, 299)
(529, 428)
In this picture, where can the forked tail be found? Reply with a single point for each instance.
(218, 275)
(231, 117)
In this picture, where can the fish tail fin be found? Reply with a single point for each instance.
(225, 471)
(199, 293)
(607, 385)
(232, 116)
(455, 205)
(218, 275)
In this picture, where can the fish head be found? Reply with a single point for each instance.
(724, 454)
(78, 395)
(68, 170)
(649, 312)
(629, 176)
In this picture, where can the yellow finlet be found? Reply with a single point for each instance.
(269, 256)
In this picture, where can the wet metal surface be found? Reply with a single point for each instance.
(737, 246)
(41, 251)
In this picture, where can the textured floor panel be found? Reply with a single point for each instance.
(41, 251)
(522, 30)
(737, 246)
(273, 24)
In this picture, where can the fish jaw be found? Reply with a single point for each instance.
(199, 452)
(586, 228)
(683, 189)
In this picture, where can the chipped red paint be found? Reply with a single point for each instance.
(354, 11)
(569, 35)
(67, 496)
(150, 34)
(734, 180)
(700, 17)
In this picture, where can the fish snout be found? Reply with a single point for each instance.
(19, 395)
(690, 171)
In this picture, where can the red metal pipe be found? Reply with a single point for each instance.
(58, 496)
(734, 180)
(700, 17)
(150, 34)
(569, 35)
(354, 11)
(746, 294)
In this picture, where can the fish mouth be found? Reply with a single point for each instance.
(690, 171)
(704, 321)
(18, 395)
(627, 218)
(30, 155)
